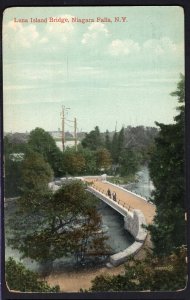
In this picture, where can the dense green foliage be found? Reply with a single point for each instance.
(90, 160)
(22, 156)
(35, 173)
(14, 151)
(19, 278)
(13, 180)
(128, 149)
(129, 163)
(42, 142)
(74, 162)
(114, 148)
(139, 140)
(103, 159)
(167, 173)
(118, 153)
(152, 274)
(93, 139)
(86, 161)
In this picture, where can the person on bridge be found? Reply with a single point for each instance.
(109, 193)
(114, 196)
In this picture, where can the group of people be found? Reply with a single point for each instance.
(112, 195)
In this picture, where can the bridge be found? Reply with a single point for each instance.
(136, 210)
(109, 201)
(125, 199)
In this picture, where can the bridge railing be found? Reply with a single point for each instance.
(100, 193)
(118, 200)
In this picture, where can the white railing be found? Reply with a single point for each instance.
(115, 205)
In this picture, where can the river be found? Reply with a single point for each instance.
(143, 185)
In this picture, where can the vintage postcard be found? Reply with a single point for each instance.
(94, 189)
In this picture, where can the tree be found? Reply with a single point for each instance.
(74, 162)
(90, 160)
(141, 140)
(152, 274)
(128, 163)
(13, 182)
(121, 141)
(14, 153)
(42, 142)
(167, 174)
(103, 159)
(20, 279)
(107, 141)
(114, 148)
(51, 226)
(36, 173)
(93, 139)
(118, 145)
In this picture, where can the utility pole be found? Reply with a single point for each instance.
(75, 133)
(63, 125)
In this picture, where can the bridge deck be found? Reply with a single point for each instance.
(126, 198)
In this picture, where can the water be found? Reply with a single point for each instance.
(119, 238)
(68, 144)
(143, 186)
(113, 226)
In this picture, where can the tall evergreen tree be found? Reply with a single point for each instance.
(93, 139)
(128, 162)
(121, 141)
(167, 174)
(114, 148)
(107, 141)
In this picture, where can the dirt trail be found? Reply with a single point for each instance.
(73, 281)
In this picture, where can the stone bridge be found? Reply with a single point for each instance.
(134, 219)
(136, 210)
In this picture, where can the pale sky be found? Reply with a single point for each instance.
(103, 71)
